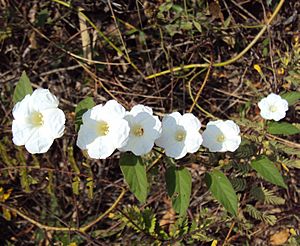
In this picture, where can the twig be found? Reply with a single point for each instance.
(193, 99)
(81, 229)
(225, 63)
(200, 89)
(101, 34)
(229, 232)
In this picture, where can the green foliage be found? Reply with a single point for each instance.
(75, 185)
(42, 17)
(5, 33)
(239, 184)
(22, 89)
(135, 175)
(285, 149)
(176, 20)
(246, 150)
(268, 171)
(293, 77)
(25, 180)
(291, 163)
(89, 181)
(75, 169)
(242, 168)
(145, 223)
(222, 190)
(4, 155)
(292, 97)
(256, 214)
(266, 196)
(83, 106)
(142, 221)
(179, 186)
(282, 128)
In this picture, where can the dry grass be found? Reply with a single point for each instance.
(44, 39)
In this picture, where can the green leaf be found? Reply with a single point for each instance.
(135, 175)
(268, 171)
(198, 26)
(75, 185)
(179, 186)
(222, 190)
(23, 88)
(165, 6)
(83, 106)
(186, 25)
(292, 97)
(282, 128)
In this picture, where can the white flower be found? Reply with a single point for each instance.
(144, 130)
(273, 107)
(37, 121)
(103, 130)
(180, 135)
(221, 136)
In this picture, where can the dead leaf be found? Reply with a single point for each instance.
(215, 10)
(85, 37)
(169, 216)
(279, 238)
(32, 40)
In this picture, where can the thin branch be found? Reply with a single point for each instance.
(81, 229)
(225, 63)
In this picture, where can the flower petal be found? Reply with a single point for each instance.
(86, 135)
(39, 142)
(263, 104)
(210, 136)
(233, 126)
(266, 114)
(279, 115)
(101, 148)
(175, 116)
(140, 108)
(176, 150)
(21, 132)
(113, 109)
(42, 99)
(150, 123)
(273, 98)
(193, 141)
(54, 120)
(273, 107)
(119, 132)
(232, 144)
(138, 145)
(189, 121)
(169, 125)
(22, 109)
(95, 113)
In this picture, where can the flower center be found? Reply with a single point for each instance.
(36, 119)
(273, 108)
(220, 138)
(180, 135)
(138, 131)
(102, 128)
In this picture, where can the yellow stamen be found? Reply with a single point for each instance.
(138, 131)
(36, 119)
(273, 108)
(102, 128)
(180, 135)
(221, 138)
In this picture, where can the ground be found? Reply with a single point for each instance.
(119, 50)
